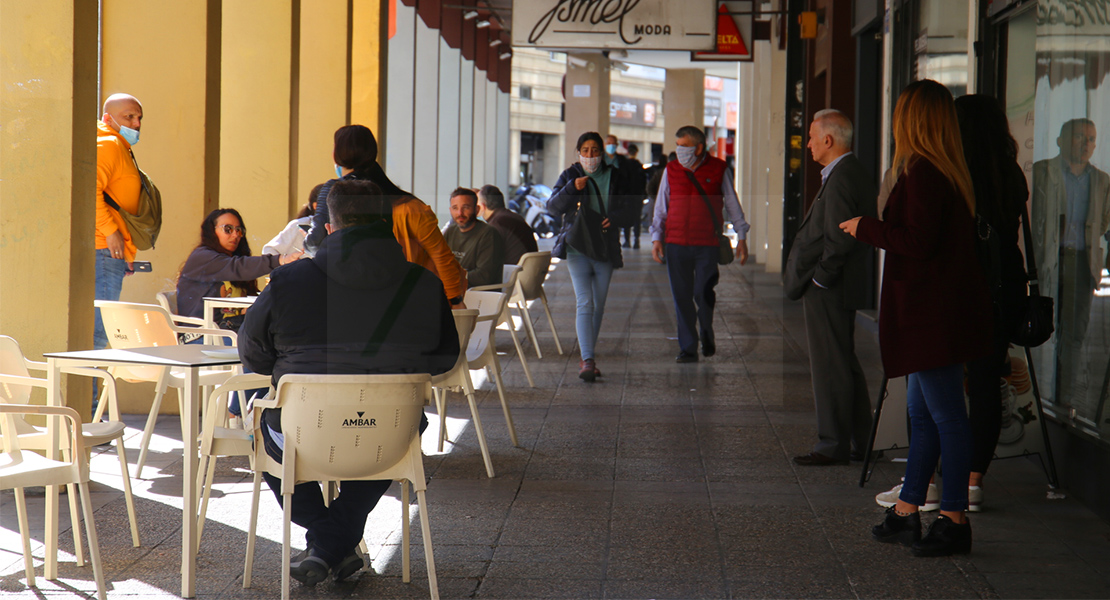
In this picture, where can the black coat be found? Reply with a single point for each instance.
(564, 201)
(357, 307)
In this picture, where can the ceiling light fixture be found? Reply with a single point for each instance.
(470, 14)
(506, 55)
(495, 43)
(482, 24)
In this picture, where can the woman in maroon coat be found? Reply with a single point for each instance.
(935, 312)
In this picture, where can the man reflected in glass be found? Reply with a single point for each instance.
(1071, 217)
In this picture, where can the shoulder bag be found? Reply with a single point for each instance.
(725, 245)
(586, 235)
(1037, 322)
(145, 225)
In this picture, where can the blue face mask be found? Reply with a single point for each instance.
(131, 135)
(339, 171)
(610, 148)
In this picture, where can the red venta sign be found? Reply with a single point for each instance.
(734, 32)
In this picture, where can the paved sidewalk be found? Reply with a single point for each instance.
(660, 481)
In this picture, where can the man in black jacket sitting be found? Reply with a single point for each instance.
(356, 308)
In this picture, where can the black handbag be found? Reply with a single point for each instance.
(724, 245)
(586, 235)
(1037, 321)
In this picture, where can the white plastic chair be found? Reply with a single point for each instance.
(507, 285)
(130, 325)
(319, 448)
(20, 469)
(458, 379)
(15, 388)
(529, 286)
(217, 439)
(481, 353)
(168, 301)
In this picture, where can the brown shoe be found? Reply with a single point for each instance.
(587, 370)
(813, 459)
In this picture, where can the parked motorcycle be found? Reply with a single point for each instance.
(530, 202)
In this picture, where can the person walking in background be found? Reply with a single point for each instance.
(829, 271)
(692, 194)
(935, 311)
(637, 181)
(518, 236)
(588, 185)
(117, 176)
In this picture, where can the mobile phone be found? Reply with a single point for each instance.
(305, 227)
(141, 266)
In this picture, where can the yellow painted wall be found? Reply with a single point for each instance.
(255, 114)
(48, 176)
(367, 67)
(322, 107)
(156, 52)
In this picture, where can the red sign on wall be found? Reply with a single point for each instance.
(734, 33)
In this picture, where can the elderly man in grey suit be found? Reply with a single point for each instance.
(832, 273)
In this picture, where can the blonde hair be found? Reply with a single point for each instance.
(925, 126)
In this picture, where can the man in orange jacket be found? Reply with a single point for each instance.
(117, 176)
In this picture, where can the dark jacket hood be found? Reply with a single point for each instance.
(362, 257)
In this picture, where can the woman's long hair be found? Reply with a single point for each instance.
(925, 126)
(209, 239)
(991, 154)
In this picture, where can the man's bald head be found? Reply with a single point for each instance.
(123, 109)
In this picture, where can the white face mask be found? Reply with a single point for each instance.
(687, 156)
(589, 164)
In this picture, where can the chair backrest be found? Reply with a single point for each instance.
(533, 272)
(491, 305)
(12, 362)
(507, 274)
(131, 325)
(344, 427)
(21, 475)
(168, 301)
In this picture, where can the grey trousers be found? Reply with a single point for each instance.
(839, 387)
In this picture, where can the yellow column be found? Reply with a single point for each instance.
(683, 102)
(587, 91)
(369, 31)
(255, 113)
(322, 97)
(48, 177)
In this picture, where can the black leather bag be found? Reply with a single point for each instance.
(724, 245)
(586, 235)
(1037, 320)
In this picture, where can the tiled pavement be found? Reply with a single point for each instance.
(660, 481)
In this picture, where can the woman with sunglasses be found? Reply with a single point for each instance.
(222, 265)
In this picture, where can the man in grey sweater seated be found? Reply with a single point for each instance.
(478, 247)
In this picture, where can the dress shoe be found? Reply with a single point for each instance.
(686, 357)
(945, 538)
(905, 530)
(308, 568)
(814, 459)
(625, 245)
(636, 244)
(708, 348)
(587, 370)
(351, 564)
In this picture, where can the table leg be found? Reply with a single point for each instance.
(189, 427)
(54, 398)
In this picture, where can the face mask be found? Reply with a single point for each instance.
(131, 135)
(339, 171)
(611, 149)
(589, 164)
(687, 156)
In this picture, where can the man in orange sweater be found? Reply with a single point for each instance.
(117, 176)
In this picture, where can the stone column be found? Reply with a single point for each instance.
(683, 102)
(587, 94)
(48, 111)
(322, 103)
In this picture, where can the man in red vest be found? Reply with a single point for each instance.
(692, 195)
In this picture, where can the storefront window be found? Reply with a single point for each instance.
(1071, 205)
(941, 45)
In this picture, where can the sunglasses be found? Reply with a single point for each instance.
(228, 229)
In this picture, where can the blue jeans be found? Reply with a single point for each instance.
(591, 286)
(109, 283)
(939, 428)
(693, 273)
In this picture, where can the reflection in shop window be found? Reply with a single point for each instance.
(941, 45)
(1071, 208)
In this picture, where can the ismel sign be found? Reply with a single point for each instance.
(616, 24)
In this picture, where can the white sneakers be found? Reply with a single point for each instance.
(932, 497)
(974, 498)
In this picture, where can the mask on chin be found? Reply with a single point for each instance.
(131, 135)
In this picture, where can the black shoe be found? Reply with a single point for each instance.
(308, 568)
(816, 459)
(625, 245)
(353, 563)
(636, 244)
(896, 528)
(686, 357)
(708, 348)
(857, 456)
(587, 370)
(945, 538)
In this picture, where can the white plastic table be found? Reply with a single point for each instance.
(191, 359)
(211, 303)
